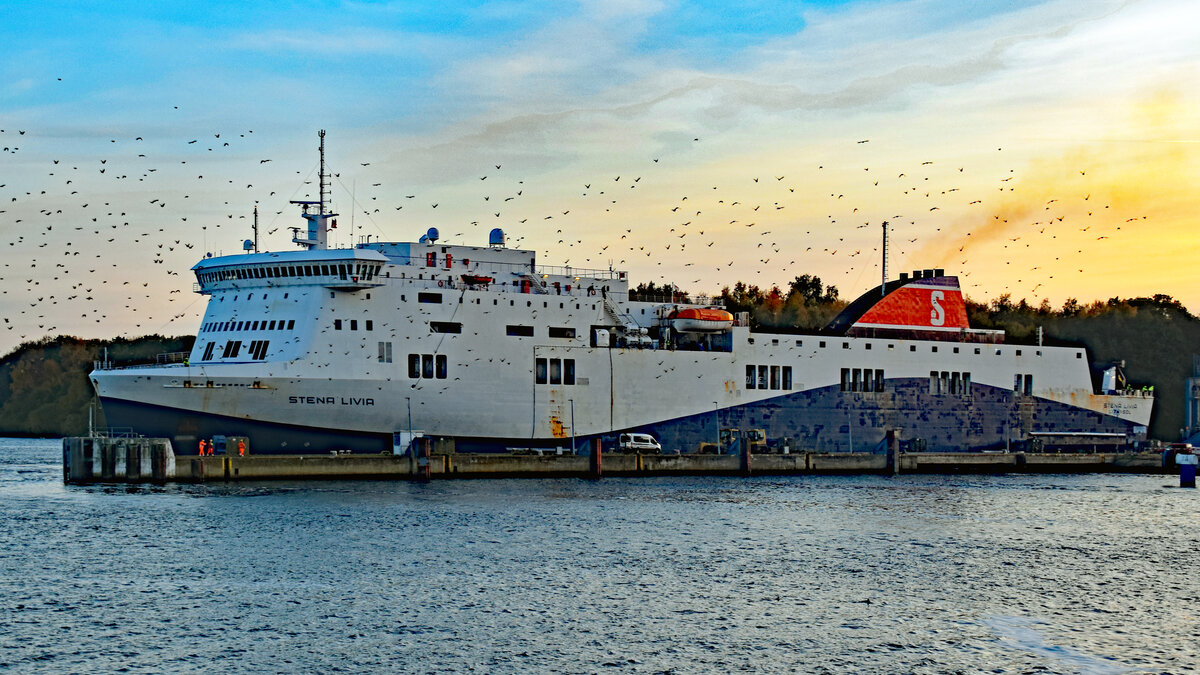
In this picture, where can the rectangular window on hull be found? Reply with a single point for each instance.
(568, 371)
(561, 332)
(787, 378)
(762, 377)
(539, 371)
(555, 371)
(385, 352)
(414, 366)
(432, 298)
(519, 331)
(774, 377)
(878, 379)
(445, 327)
(258, 349)
(208, 351)
(231, 349)
(751, 376)
(427, 366)
(441, 366)
(845, 379)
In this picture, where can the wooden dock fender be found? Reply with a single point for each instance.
(596, 459)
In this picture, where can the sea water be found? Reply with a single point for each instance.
(912, 574)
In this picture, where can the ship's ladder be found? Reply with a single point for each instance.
(618, 316)
(536, 283)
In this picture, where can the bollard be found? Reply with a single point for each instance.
(1187, 470)
(596, 460)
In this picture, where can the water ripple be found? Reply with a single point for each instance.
(916, 574)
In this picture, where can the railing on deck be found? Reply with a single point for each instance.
(165, 359)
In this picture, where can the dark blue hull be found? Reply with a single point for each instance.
(817, 420)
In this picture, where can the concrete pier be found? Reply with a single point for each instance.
(146, 460)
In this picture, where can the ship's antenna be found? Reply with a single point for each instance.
(256, 228)
(883, 286)
(323, 179)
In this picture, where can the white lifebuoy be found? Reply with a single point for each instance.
(439, 283)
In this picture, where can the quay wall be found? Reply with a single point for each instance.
(152, 460)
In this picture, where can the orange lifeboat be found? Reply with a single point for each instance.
(476, 280)
(700, 320)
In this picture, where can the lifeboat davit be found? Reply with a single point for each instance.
(700, 320)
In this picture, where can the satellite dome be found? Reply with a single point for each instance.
(432, 235)
(496, 238)
(247, 245)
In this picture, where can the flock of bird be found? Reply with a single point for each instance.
(102, 239)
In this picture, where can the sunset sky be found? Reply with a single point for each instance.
(1043, 149)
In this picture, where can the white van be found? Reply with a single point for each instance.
(640, 443)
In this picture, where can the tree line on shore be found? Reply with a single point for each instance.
(44, 390)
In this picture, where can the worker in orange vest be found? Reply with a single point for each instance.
(241, 448)
(202, 447)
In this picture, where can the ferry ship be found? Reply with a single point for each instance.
(362, 349)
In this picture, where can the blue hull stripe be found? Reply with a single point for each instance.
(816, 420)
